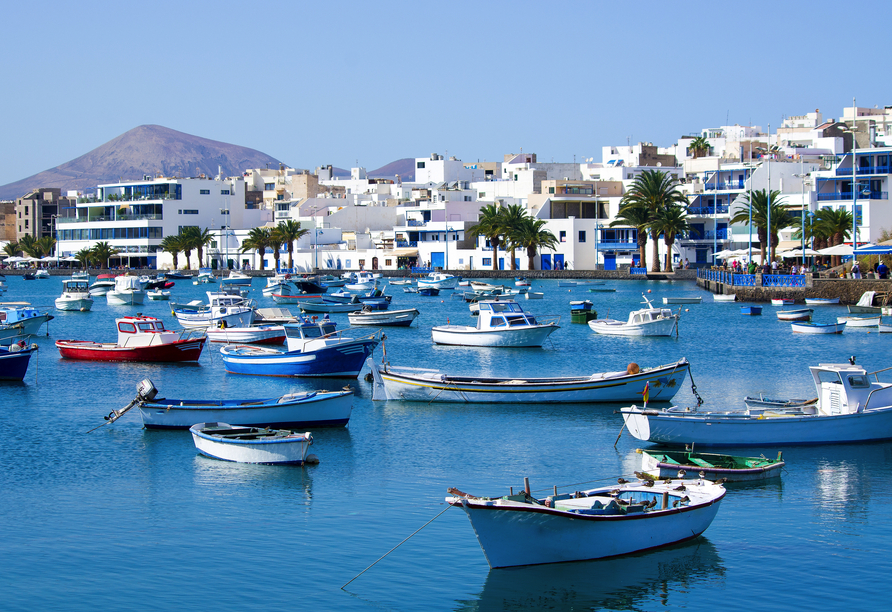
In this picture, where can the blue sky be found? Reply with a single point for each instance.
(342, 83)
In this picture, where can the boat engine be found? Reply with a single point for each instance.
(145, 392)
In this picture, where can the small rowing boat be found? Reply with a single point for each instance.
(251, 444)
(712, 466)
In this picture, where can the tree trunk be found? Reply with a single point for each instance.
(188, 258)
(513, 263)
(495, 255)
(655, 252)
(669, 255)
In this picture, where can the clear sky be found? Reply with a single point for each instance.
(340, 82)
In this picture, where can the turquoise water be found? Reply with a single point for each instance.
(125, 518)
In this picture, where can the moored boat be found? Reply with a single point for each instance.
(251, 444)
(647, 321)
(389, 318)
(258, 334)
(25, 319)
(860, 321)
(222, 308)
(128, 291)
(417, 384)
(14, 360)
(103, 284)
(782, 301)
(499, 324)
(726, 297)
(75, 296)
(158, 294)
(661, 464)
(236, 278)
(799, 314)
(140, 338)
(438, 280)
(817, 328)
(604, 522)
(682, 300)
(821, 301)
(751, 310)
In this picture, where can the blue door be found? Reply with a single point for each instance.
(610, 261)
(437, 259)
(701, 256)
(546, 262)
(558, 262)
(501, 263)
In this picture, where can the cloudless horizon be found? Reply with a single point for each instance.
(354, 83)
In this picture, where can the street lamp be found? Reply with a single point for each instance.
(751, 167)
(803, 178)
(597, 231)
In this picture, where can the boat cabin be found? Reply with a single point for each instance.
(494, 314)
(12, 314)
(75, 286)
(222, 299)
(127, 284)
(143, 331)
(847, 389)
(648, 315)
(297, 334)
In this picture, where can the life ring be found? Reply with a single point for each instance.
(223, 310)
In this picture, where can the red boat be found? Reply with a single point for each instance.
(140, 338)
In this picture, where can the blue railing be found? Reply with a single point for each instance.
(404, 244)
(420, 270)
(743, 280)
(638, 271)
(864, 170)
(414, 223)
(707, 210)
(783, 280)
(847, 195)
(722, 234)
(724, 185)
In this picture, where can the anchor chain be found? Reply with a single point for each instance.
(694, 388)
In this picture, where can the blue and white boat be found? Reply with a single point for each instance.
(235, 278)
(251, 444)
(438, 280)
(751, 310)
(361, 281)
(314, 349)
(24, 318)
(14, 360)
(222, 310)
(499, 324)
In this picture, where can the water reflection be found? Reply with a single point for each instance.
(633, 582)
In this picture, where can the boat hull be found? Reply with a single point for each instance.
(818, 328)
(271, 450)
(78, 304)
(610, 327)
(126, 298)
(860, 321)
(195, 319)
(657, 466)
(532, 535)
(304, 410)
(392, 318)
(460, 335)
(248, 335)
(85, 350)
(430, 386)
(757, 430)
(14, 364)
(342, 360)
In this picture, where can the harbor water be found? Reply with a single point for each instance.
(131, 519)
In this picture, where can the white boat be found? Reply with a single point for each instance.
(865, 304)
(663, 463)
(850, 408)
(25, 319)
(405, 281)
(682, 300)
(521, 282)
(42, 274)
(884, 329)
(251, 444)
(818, 328)
(438, 280)
(102, 286)
(236, 278)
(279, 284)
(257, 334)
(782, 301)
(386, 318)
(499, 324)
(158, 294)
(424, 385)
(533, 295)
(727, 297)
(127, 292)
(81, 275)
(330, 306)
(821, 301)
(605, 522)
(361, 281)
(860, 321)
(204, 277)
(221, 309)
(75, 296)
(648, 321)
(566, 283)
(799, 314)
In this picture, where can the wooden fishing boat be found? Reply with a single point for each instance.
(258, 334)
(751, 310)
(727, 297)
(424, 385)
(682, 300)
(687, 464)
(782, 301)
(800, 314)
(390, 318)
(438, 280)
(251, 444)
(821, 301)
(14, 360)
(647, 321)
(817, 328)
(294, 410)
(860, 321)
(140, 338)
(499, 324)
(604, 522)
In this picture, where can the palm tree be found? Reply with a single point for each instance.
(638, 217)
(670, 222)
(258, 239)
(275, 243)
(836, 225)
(46, 244)
(12, 248)
(201, 238)
(531, 235)
(85, 256)
(699, 146)
(172, 245)
(102, 252)
(290, 232)
(489, 225)
(780, 217)
(29, 246)
(655, 190)
(512, 217)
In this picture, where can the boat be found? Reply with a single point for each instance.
(251, 444)
(821, 301)
(860, 321)
(474, 307)
(852, 406)
(425, 385)
(28, 276)
(647, 321)
(415, 290)
(329, 281)
(602, 290)
(521, 282)
(768, 403)
(499, 324)
(438, 280)
(279, 284)
(661, 464)
(174, 275)
(103, 284)
(231, 310)
(280, 298)
(205, 276)
(428, 291)
(294, 410)
(682, 300)
(81, 275)
(42, 274)
(533, 295)
(799, 314)
(258, 334)
(14, 360)
(314, 348)
(127, 292)
(724, 297)
(401, 282)
(140, 338)
(817, 328)
(865, 304)
(782, 301)
(361, 281)
(389, 318)
(330, 306)
(309, 285)
(26, 319)
(582, 311)
(75, 296)
(566, 283)
(158, 294)
(235, 278)
(751, 310)
(884, 329)
(604, 522)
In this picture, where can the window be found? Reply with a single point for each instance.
(487, 261)
(224, 192)
(551, 190)
(563, 236)
(269, 186)
(581, 236)
(189, 211)
(419, 165)
(388, 262)
(205, 192)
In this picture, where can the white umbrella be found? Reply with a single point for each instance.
(14, 259)
(839, 249)
(799, 253)
(723, 254)
(48, 258)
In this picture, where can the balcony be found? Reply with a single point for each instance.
(865, 170)
(406, 244)
(725, 186)
(847, 195)
(61, 220)
(708, 210)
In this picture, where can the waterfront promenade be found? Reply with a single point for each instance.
(765, 287)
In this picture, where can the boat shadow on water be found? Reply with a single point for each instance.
(644, 580)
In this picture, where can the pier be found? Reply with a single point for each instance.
(765, 287)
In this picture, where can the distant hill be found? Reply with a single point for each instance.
(147, 149)
(154, 149)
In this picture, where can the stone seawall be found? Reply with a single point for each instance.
(848, 290)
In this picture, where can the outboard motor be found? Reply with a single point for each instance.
(145, 392)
